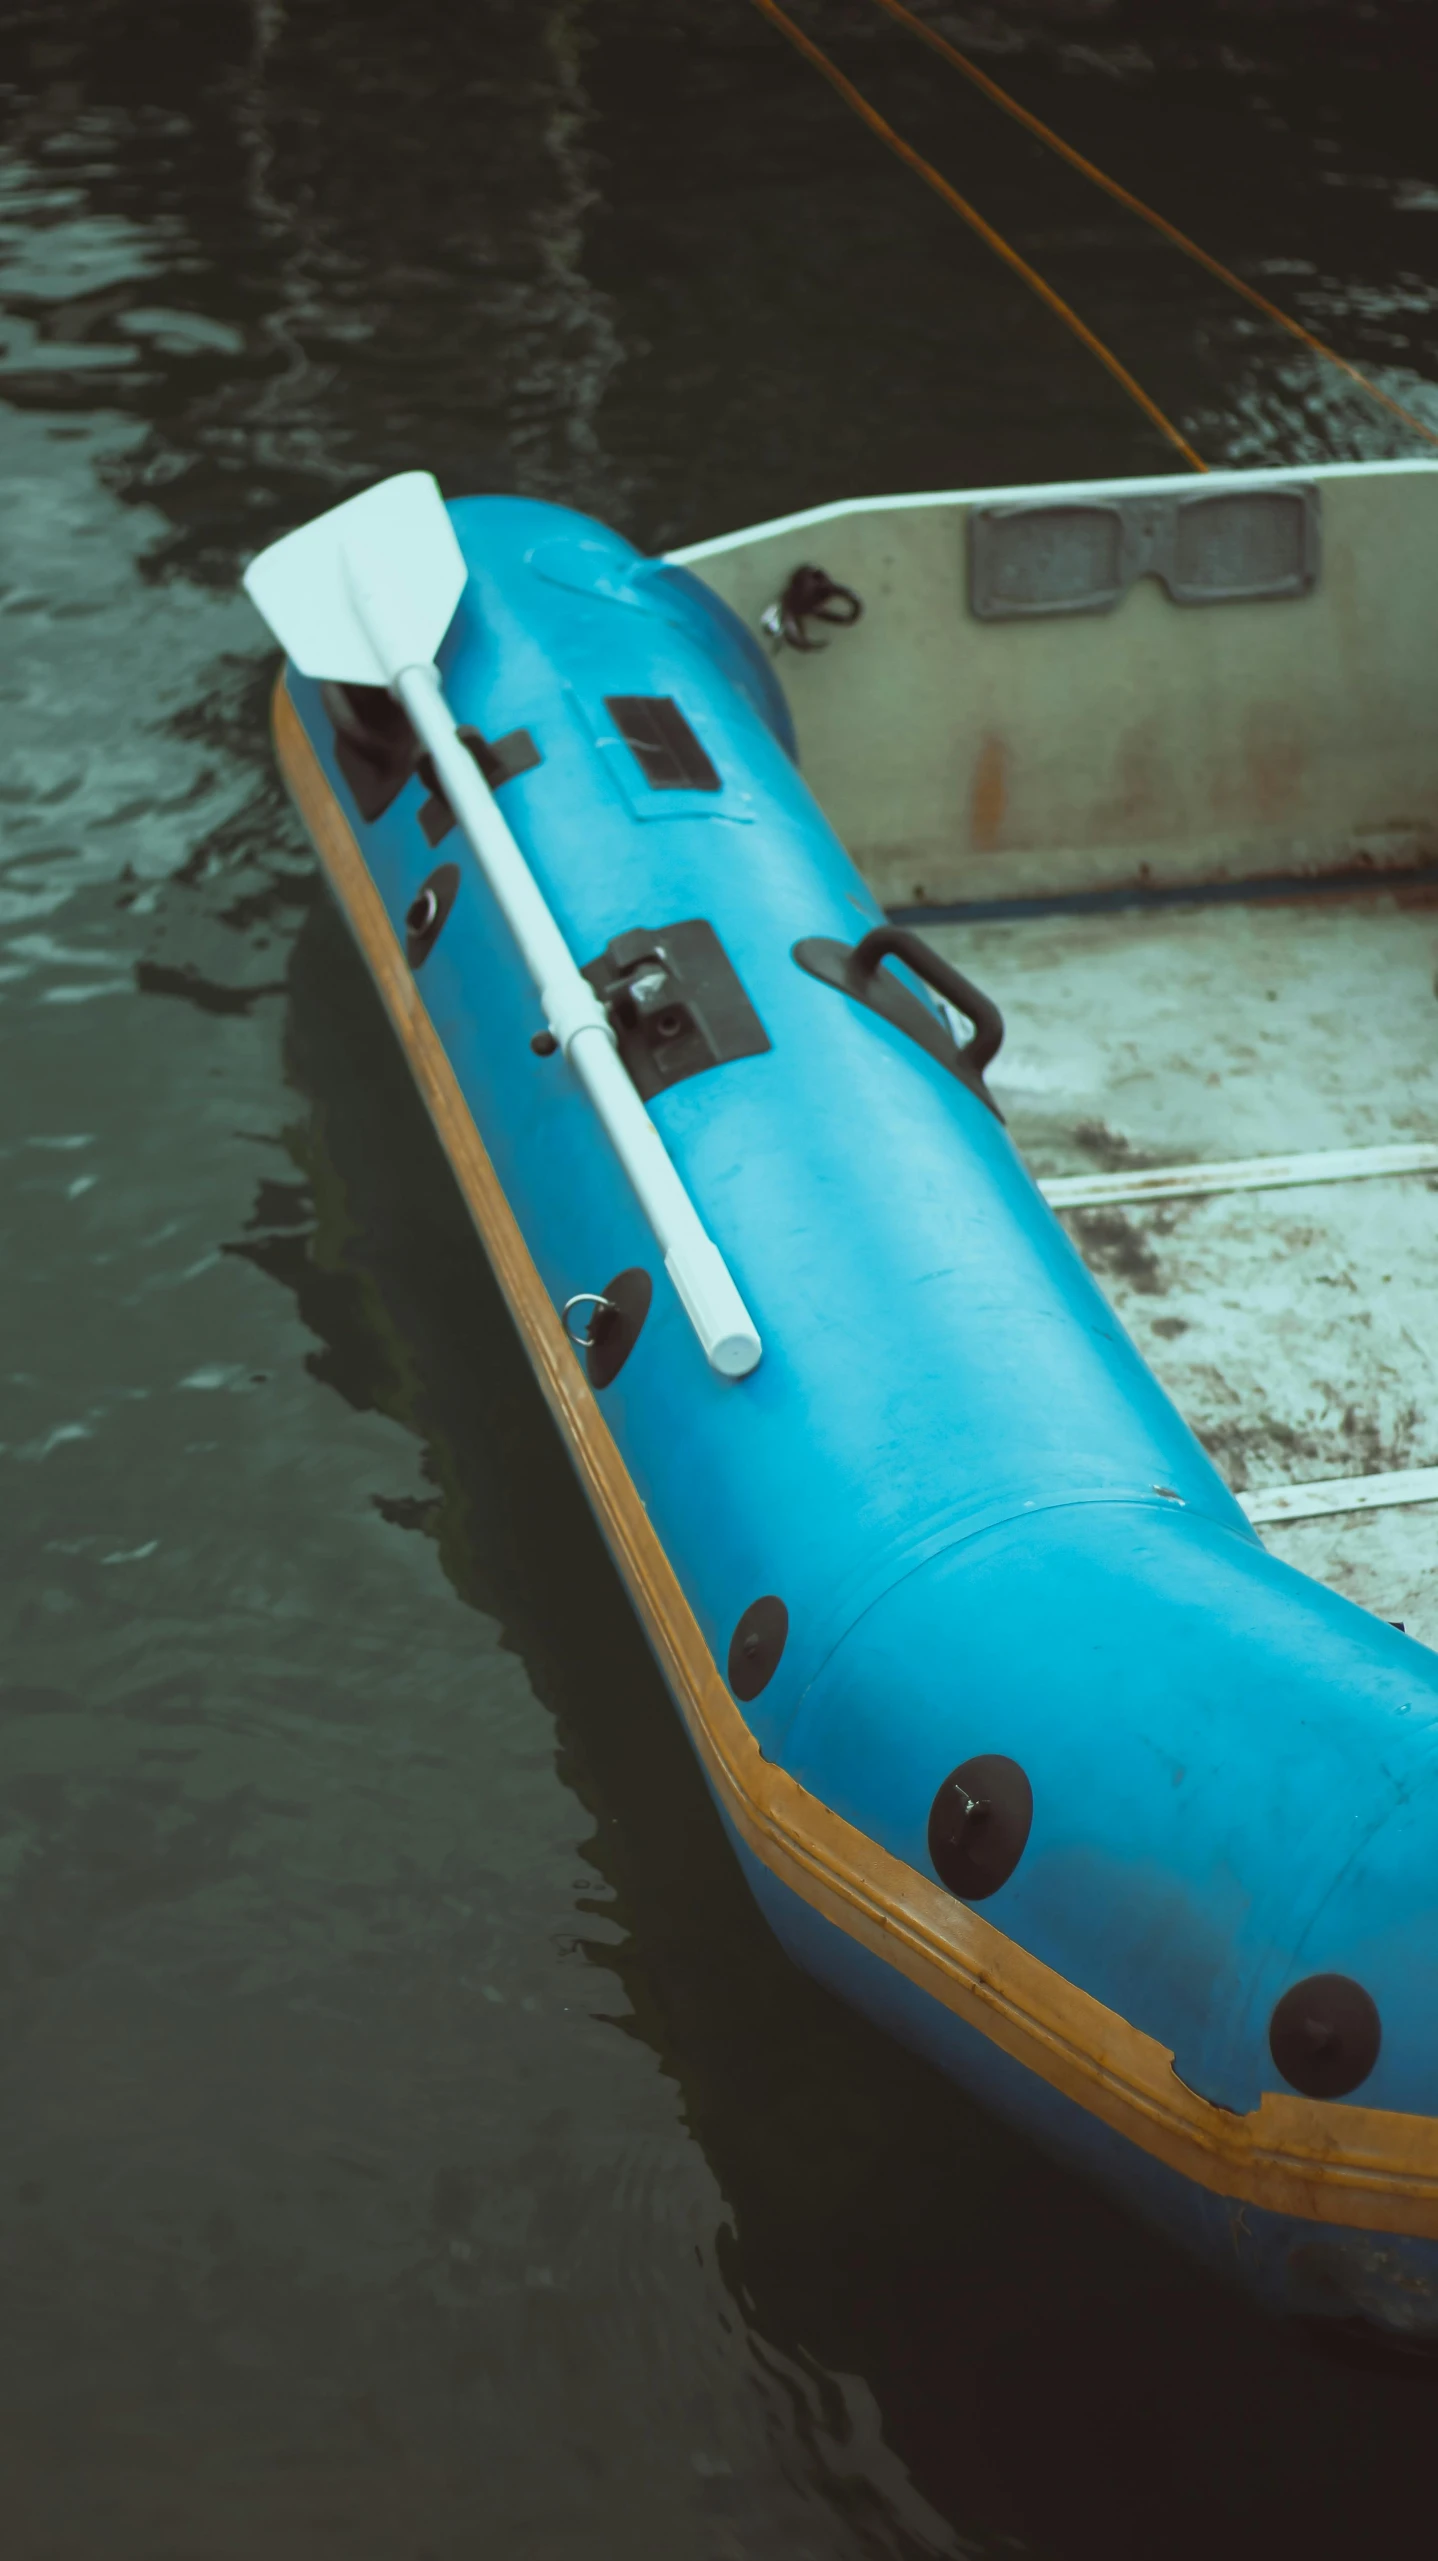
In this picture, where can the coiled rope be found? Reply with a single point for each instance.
(995, 240)
(1157, 221)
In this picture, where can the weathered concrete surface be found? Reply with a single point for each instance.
(1298, 1329)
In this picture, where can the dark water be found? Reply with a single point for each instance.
(413, 2147)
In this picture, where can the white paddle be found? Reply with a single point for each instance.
(364, 596)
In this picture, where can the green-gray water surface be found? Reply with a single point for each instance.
(412, 2147)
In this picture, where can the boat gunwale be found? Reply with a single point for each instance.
(1049, 493)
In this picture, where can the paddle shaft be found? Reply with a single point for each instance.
(574, 1014)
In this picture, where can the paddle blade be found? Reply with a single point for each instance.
(366, 589)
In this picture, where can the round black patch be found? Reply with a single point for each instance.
(756, 1645)
(614, 1328)
(424, 919)
(1324, 2036)
(979, 1823)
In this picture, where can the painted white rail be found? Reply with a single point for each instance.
(1334, 1494)
(1238, 1174)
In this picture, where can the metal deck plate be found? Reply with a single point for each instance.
(1295, 1327)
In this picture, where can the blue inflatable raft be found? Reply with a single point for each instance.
(1026, 1745)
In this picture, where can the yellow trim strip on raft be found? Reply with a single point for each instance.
(1329, 2163)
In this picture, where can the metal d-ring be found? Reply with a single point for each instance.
(583, 1298)
(423, 911)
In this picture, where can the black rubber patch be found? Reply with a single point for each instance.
(426, 912)
(756, 1645)
(614, 1330)
(377, 751)
(661, 742)
(374, 744)
(979, 1825)
(498, 759)
(1324, 2036)
(676, 1002)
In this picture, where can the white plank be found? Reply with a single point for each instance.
(1238, 1174)
(1337, 1494)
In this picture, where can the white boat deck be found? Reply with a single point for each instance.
(1295, 1324)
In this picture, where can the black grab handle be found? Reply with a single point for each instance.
(854, 969)
(895, 942)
